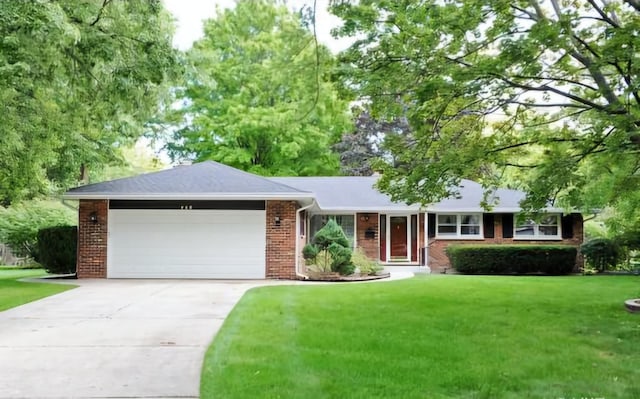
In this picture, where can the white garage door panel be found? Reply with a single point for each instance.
(145, 243)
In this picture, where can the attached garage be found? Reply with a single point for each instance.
(203, 221)
(201, 243)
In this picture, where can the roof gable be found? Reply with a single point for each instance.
(200, 179)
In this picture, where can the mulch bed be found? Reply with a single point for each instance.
(337, 277)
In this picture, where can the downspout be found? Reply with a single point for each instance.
(426, 241)
(63, 202)
(298, 212)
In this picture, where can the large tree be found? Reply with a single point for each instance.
(543, 91)
(260, 96)
(360, 148)
(77, 80)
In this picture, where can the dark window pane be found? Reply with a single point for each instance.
(470, 219)
(446, 229)
(446, 219)
(470, 230)
(524, 230)
(548, 230)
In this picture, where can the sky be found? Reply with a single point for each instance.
(189, 15)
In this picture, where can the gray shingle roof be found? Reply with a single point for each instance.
(212, 180)
(358, 193)
(345, 193)
(201, 180)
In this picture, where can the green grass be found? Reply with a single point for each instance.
(431, 337)
(14, 293)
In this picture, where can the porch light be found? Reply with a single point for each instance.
(93, 217)
(277, 220)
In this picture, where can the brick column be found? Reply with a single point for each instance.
(370, 245)
(92, 239)
(281, 239)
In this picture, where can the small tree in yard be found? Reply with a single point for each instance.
(331, 244)
(602, 253)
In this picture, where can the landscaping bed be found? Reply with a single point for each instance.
(336, 277)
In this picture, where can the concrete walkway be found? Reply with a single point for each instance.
(116, 338)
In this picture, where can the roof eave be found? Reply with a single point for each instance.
(482, 210)
(203, 196)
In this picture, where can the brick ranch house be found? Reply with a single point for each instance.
(208, 220)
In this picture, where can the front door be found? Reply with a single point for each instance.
(398, 237)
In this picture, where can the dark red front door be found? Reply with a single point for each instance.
(398, 233)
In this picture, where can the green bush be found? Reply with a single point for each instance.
(341, 259)
(366, 266)
(57, 249)
(602, 253)
(330, 239)
(19, 224)
(512, 259)
(310, 251)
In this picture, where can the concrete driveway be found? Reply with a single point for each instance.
(114, 339)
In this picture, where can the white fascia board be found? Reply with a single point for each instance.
(359, 209)
(226, 196)
(481, 210)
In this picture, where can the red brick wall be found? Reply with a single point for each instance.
(281, 240)
(92, 239)
(371, 246)
(438, 259)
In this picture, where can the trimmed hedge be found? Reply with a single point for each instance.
(57, 249)
(512, 259)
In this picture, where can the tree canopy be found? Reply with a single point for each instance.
(77, 80)
(360, 148)
(259, 96)
(545, 92)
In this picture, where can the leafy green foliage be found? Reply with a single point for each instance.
(57, 249)
(544, 92)
(330, 246)
(259, 96)
(77, 80)
(512, 259)
(366, 266)
(19, 224)
(602, 253)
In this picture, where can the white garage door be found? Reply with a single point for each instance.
(148, 243)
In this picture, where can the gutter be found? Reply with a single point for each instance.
(63, 201)
(297, 264)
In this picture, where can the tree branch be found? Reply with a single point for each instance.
(634, 3)
(105, 3)
(603, 14)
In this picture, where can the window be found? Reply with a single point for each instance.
(347, 222)
(547, 227)
(462, 225)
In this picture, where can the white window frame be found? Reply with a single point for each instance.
(536, 229)
(458, 234)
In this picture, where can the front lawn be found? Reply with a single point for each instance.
(14, 293)
(431, 337)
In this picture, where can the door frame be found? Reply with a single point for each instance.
(407, 216)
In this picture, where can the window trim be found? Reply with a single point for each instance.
(536, 230)
(458, 235)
